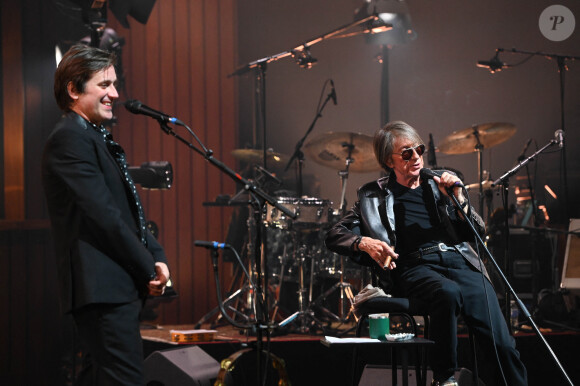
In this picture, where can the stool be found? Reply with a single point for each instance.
(407, 309)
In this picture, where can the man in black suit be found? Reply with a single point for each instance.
(108, 262)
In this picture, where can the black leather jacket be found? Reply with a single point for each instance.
(373, 216)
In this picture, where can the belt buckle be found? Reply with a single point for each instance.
(442, 247)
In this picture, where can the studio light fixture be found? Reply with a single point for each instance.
(392, 24)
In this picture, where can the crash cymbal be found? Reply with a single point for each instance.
(331, 149)
(464, 141)
(256, 156)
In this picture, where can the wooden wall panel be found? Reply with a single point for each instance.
(13, 108)
(178, 63)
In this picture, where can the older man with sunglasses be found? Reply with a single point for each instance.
(416, 242)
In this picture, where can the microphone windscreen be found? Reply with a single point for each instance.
(133, 105)
(426, 174)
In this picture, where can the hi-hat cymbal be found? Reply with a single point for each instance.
(331, 149)
(256, 156)
(464, 141)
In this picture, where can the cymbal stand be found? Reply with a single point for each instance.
(344, 288)
(479, 150)
(344, 175)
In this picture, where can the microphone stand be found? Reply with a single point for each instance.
(561, 62)
(298, 154)
(504, 181)
(261, 197)
(521, 305)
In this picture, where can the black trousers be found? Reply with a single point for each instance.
(451, 287)
(114, 350)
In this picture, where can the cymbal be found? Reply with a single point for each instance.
(485, 185)
(464, 141)
(331, 149)
(256, 156)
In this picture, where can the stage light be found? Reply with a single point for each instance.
(392, 24)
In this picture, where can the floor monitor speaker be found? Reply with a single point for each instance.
(181, 367)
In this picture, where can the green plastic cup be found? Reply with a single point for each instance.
(379, 326)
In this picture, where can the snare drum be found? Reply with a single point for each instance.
(310, 212)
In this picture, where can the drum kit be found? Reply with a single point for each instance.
(303, 277)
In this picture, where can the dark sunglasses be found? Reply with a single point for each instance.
(408, 153)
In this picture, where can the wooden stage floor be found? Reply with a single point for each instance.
(309, 362)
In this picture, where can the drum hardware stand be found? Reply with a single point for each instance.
(345, 292)
(304, 315)
(504, 181)
(344, 175)
(479, 150)
(344, 288)
(281, 279)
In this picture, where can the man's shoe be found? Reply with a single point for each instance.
(447, 382)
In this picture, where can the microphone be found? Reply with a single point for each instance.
(522, 155)
(494, 64)
(431, 160)
(136, 107)
(210, 244)
(559, 134)
(333, 92)
(428, 174)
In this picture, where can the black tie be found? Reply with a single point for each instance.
(119, 155)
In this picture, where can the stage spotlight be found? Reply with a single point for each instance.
(392, 25)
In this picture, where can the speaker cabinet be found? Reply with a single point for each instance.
(181, 367)
(571, 269)
(531, 259)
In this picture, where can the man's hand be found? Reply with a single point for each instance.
(447, 181)
(157, 285)
(379, 251)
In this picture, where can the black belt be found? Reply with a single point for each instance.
(441, 247)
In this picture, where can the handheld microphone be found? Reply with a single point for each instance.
(136, 107)
(523, 153)
(428, 174)
(559, 134)
(209, 244)
(333, 92)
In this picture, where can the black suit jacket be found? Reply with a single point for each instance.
(100, 256)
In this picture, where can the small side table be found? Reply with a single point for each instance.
(398, 348)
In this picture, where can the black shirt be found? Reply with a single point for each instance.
(415, 226)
